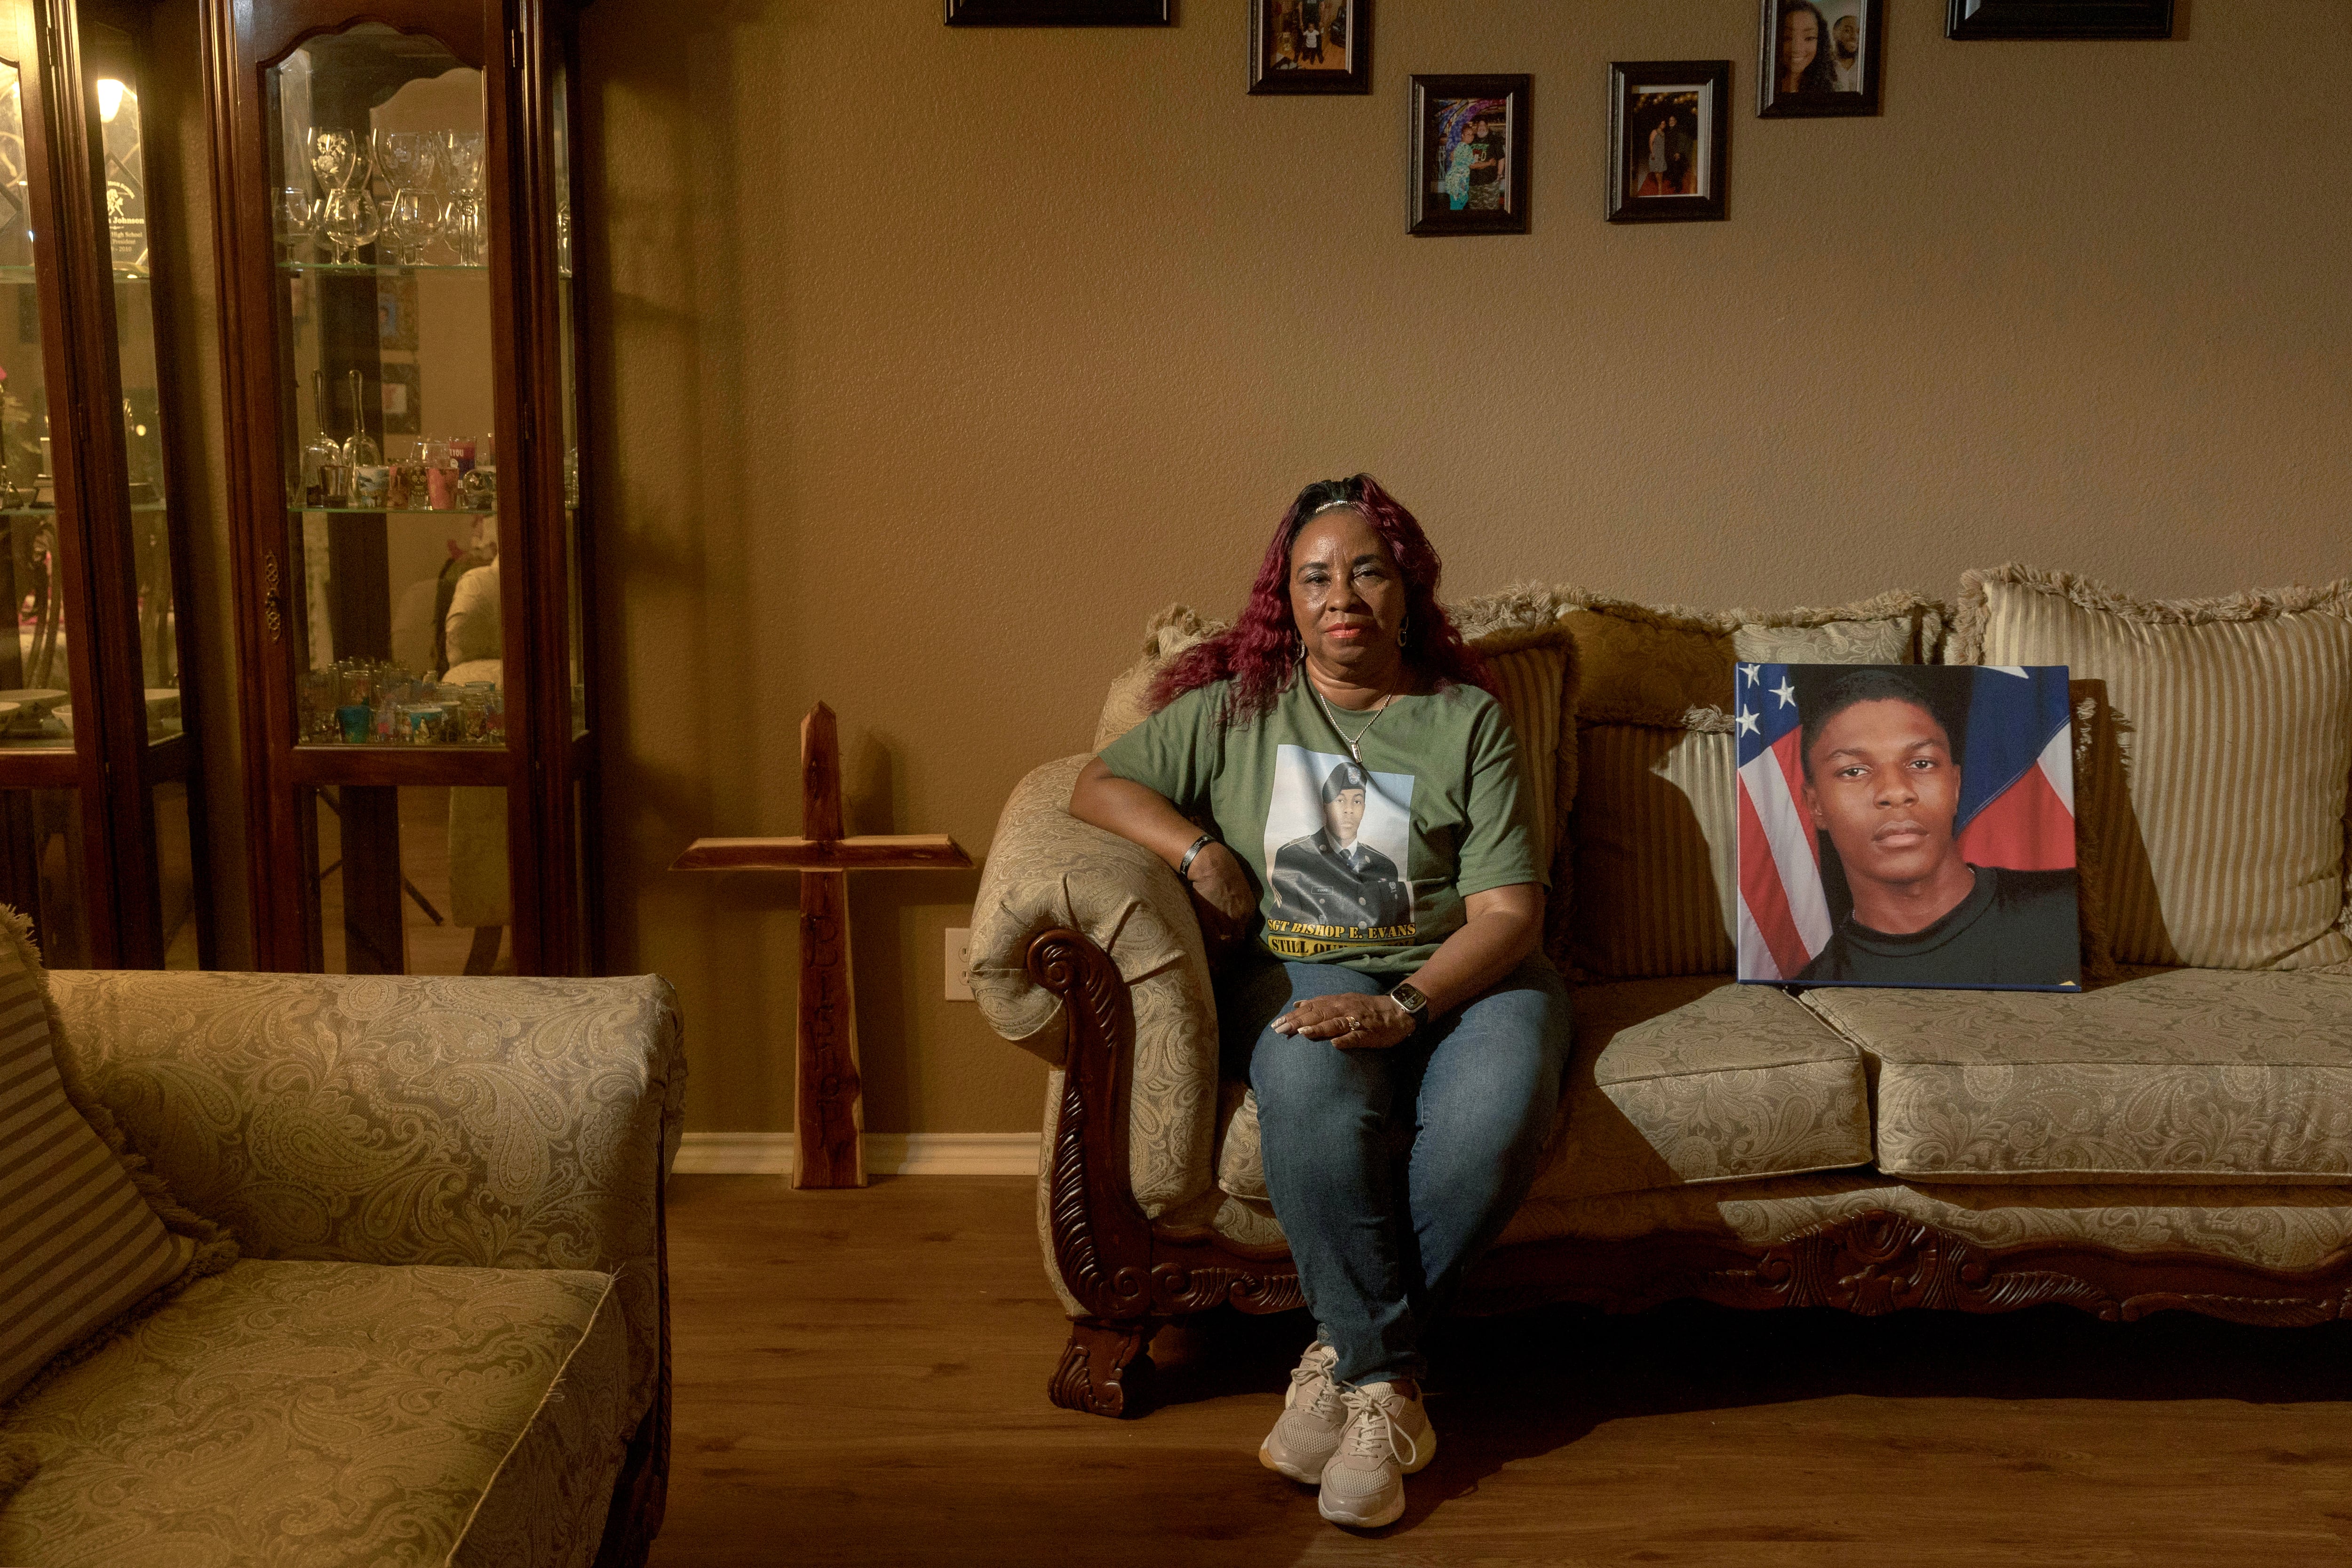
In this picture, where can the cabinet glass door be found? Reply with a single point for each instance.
(390, 466)
(41, 865)
(117, 117)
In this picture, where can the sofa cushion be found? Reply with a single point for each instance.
(78, 1244)
(335, 1413)
(2195, 1076)
(1654, 831)
(1699, 1079)
(514, 1121)
(1673, 1082)
(2224, 845)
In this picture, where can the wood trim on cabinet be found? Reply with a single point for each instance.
(276, 29)
(281, 846)
(412, 766)
(50, 769)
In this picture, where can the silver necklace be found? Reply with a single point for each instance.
(1355, 747)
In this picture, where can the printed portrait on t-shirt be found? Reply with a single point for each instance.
(1338, 843)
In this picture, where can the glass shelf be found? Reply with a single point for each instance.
(377, 269)
(22, 272)
(155, 507)
(392, 512)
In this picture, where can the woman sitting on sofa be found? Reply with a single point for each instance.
(1372, 860)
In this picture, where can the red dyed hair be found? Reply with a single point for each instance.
(1262, 648)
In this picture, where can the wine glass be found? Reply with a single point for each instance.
(408, 226)
(334, 157)
(461, 163)
(408, 160)
(298, 220)
(352, 222)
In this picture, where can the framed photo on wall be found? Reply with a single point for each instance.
(1817, 57)
(1310, 46)
(2058, 19)
(1469, 154)
(1669, 137)
(1061, 13)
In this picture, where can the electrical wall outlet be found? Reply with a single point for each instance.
(959, 950)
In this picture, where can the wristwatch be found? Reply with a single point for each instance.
(1415, 1005)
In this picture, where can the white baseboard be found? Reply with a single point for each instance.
(887, 1155)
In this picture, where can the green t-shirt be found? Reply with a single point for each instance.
(1365, 866)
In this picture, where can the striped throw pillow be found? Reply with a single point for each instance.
(79, 1245)
(2221, 835)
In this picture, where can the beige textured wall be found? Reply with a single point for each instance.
(935, 361)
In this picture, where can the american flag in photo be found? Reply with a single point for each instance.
(2016, 808)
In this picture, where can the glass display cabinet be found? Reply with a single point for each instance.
(409, 545)
(101, 840)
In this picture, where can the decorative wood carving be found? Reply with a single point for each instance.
(1879, 1262)
(1127, 1273)
(1106, 1368)
(1109, 1257)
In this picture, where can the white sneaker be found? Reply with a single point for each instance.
(1308, 1434)
(1388, 1436)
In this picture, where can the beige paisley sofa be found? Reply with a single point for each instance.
(2178, 1136)
(445, 1335)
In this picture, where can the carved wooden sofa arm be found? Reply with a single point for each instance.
(1048, 871)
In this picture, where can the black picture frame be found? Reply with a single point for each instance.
(1061, 13)
(1431, 210)
(1706, 85)
(1965, 19)
(1269, 77)
(1869, 17)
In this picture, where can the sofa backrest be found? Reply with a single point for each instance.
(1653, 833)
(2216, 793)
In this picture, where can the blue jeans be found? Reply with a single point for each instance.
(1392, 1170)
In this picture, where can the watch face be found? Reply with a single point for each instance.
(1410, 1000)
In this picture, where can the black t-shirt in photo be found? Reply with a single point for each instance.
(2016, 928)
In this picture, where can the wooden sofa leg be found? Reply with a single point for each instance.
(1106, 1368)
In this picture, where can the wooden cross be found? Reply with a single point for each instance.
(828, 1115)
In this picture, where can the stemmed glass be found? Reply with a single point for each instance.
(352, 222)
(461, 161)
(408, 160)
(334, 157)
(298, 220)
(348, 216)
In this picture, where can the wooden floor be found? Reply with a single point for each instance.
(861, 1380)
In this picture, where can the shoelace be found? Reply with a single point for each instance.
(1372, 1435)
(1319, 1372)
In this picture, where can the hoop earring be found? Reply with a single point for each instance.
(1405, 631)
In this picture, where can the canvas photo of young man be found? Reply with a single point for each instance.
(1906, 825)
